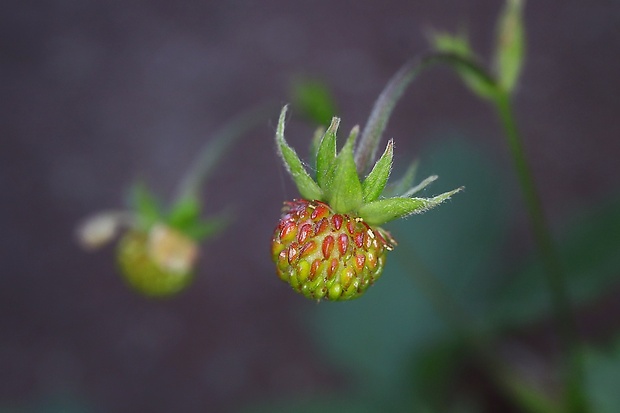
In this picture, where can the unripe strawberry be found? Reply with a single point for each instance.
(158, 248)
(324, 254)
(329, 245)
(158, 262)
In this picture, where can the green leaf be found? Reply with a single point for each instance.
(463, 243)
(375, 182)
(588, 251)
(314, 100)
(372, 338)
(304, 182)
(459, 45)
(435, 372)
(510, 49)
(326, 154)
(602, 372)
(385, 210)
(345, 189)
(145, 204)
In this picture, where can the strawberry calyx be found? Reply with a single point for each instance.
(184, 215)
(338, 184)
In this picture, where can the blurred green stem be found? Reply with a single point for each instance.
(575, 397)
(213, 150)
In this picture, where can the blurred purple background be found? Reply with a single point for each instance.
(98, 93)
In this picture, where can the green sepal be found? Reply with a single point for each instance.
(385, 210)
(421, 185)
(146, 205)
(326, 154)
(314, 144)
(510, 44)
(304, 182)
(345, 189)
(375, 182)
(403, 184)
(185, 213)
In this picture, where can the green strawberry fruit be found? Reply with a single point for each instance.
(325, 254)
(158, 262)
(330, 244)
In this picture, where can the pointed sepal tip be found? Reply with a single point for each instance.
(307, 187)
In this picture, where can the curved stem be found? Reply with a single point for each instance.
(553, 268)
(384, 105)
(212, 151)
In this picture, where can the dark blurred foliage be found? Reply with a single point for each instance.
(97, 94)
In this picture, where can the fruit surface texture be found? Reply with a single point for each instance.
(323, 254)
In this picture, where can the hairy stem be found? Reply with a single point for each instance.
(575, 397)
(366, 150)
